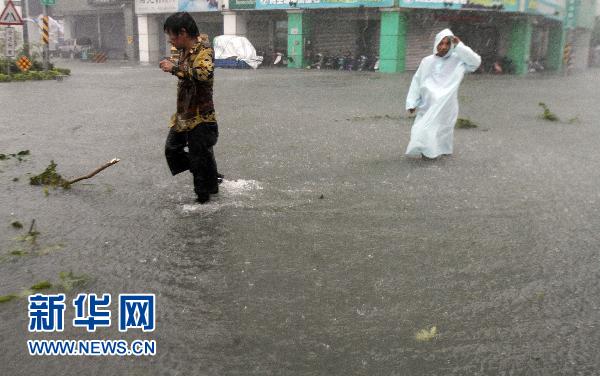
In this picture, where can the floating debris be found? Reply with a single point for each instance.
(426, 335)
(7, 298)
(16, 224)
(50, 178)
(69, 281)
(91, 174)
(376, 117)
(462, 123)
(31, 235)
(43, 285)
(20, 156)
(547, 114)
(52, 248)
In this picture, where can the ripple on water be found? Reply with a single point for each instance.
(228, 190)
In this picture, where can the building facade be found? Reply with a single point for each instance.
(398, 32)
(109, 25)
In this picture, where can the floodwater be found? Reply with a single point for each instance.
(326, 251)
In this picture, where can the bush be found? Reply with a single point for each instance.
(20, 77)
(51, 74)
(4, 63)
(35, 75)
(38, 65)
(64, 71)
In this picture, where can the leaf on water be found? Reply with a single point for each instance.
(465, 124)
(18, 252)
(30, 237)
(7, 298)
(426, 335)
(49, 178)
(25, 293)
(69, 281)
(375, 117)
(19, 156)
(51, 248)
(547, 114)
(393, 117)
(41, 285)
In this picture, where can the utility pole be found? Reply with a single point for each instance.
(25, 10)
(46, 37)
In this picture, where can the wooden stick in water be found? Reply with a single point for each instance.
(91, 174)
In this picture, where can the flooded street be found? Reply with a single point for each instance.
(326, 250)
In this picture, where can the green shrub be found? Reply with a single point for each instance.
(64, 71)
(38, 65)
(51, 74)
(5, 78)
(4, 63)
(20, 77)
(35, 75)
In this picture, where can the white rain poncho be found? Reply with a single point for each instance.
(433, 92)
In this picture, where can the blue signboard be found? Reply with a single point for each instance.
(549, 8)
(303, 4)
(197, 5)
(499, 5)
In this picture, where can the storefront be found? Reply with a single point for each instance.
(329, 27)
(108, 24)
(151, 15)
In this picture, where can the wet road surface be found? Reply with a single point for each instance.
(496, 246)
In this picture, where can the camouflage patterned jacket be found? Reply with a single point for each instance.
(195, 88)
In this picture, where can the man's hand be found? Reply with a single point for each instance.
(455, 40)
(166, 65)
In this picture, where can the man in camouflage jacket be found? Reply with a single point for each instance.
(194, 124)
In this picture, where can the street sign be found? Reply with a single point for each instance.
(48, 2)
(24, 64)
(9, 42)
(10, 16)
(572, 7)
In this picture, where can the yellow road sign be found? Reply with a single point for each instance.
(24, 64)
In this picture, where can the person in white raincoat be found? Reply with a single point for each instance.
(433, 94)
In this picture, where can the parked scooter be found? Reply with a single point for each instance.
(361, 63)
(350, 62)
(329, 62)
(340, 62)
(319, 61)
(535, 66)
(375, 66)
(279, 59)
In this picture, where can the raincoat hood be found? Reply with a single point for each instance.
(438, 38)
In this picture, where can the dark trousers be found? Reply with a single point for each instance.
(199, 159)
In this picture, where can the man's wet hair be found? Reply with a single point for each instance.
(181, 20)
